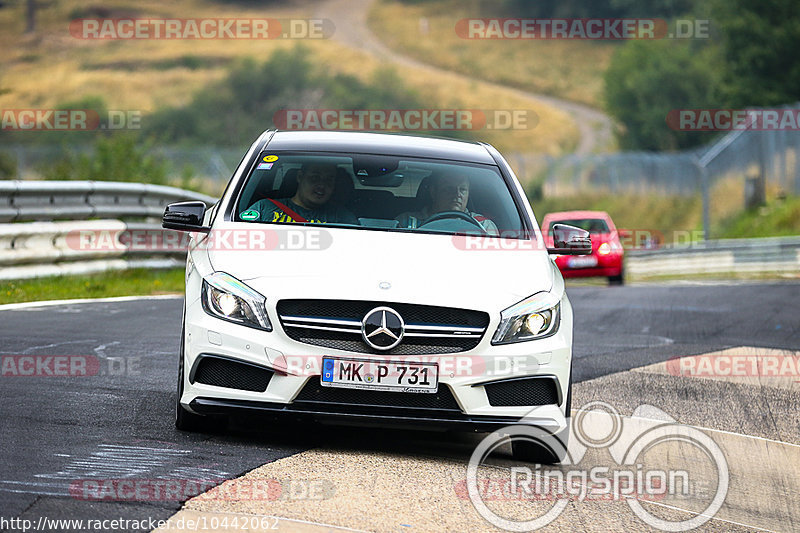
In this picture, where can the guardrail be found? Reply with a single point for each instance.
(38, 249)
(22, 201)
(31, 247)
(772, 254)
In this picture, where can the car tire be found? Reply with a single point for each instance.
(617, 280)
(186, 420)
(531, 452)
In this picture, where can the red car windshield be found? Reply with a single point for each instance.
(592, 225)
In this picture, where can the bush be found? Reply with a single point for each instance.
(115, 158)
(234, 110)
(8, 166)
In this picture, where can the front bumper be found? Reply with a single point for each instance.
(295, 365)
(388, 418)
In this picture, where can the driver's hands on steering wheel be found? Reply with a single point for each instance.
(454, 214)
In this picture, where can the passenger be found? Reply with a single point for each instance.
(315, 186)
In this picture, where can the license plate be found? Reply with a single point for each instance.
(369, 374)
(582, 262)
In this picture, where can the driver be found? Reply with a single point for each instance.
(311, 202)
(448, 192)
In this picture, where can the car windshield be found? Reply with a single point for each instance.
(379, 192)
(592, 225)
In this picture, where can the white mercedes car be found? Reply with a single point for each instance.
(374, 279)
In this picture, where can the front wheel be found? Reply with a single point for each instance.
(617, 280)
(186, 420)
(550, 449)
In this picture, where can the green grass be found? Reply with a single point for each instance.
(134, 282)
(780, 217)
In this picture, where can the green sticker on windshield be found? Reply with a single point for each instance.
(249, 215)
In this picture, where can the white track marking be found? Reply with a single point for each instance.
(51, 303)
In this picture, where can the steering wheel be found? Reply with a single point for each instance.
(454, 214)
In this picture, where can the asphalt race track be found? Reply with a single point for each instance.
(58, 431)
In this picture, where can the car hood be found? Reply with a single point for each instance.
(356, 264)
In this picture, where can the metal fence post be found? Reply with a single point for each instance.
(705, 188)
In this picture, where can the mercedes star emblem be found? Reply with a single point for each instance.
(382, 328)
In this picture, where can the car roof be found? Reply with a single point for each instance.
(380, 143)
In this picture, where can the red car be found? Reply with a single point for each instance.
(607, 254)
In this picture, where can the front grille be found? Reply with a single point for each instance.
(337, 324)
(522, 392)
(315, 396)
(352, 343)
(222, 372)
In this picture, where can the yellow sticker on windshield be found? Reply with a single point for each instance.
(270, 158)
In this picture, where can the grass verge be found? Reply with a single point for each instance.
(134, 282)
(779, 217)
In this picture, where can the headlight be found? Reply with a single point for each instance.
(604, 249)
(225, 297)
(533, 318)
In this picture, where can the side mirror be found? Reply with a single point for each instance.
(569, 240)
(185, 216)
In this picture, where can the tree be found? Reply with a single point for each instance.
(761, 40)
(647, 79)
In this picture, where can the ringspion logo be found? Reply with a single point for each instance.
(653, 458)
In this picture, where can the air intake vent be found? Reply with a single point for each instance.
(523, 392)
(223, 372)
